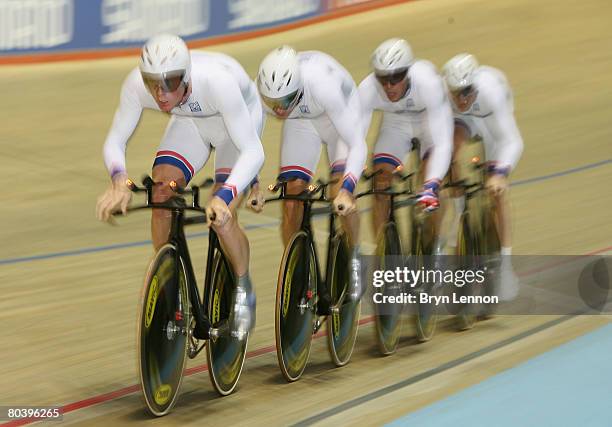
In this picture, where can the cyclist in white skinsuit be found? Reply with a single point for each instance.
(483, 105)
(212, 103)
(411, 95)
(319, 101)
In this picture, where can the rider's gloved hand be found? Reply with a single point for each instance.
(428, 196)
(218, 209)
(256, 199)
(116, 198)
(344, 203)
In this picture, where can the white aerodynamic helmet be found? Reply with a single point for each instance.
(165, 60)
(279, 79)
(392, 56)
(459, 71)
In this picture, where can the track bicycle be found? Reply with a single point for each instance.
(478, 243)
(174, 321)
(389, 255)
(304, 295)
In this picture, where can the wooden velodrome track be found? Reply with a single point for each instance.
(70, 285)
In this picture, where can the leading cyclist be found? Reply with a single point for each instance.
(212, 103)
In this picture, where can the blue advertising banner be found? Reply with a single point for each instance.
(47, 26)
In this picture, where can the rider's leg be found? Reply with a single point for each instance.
(460, 137)
(509, 283)
(233, 240)
(293, 210)
(504, 223)
(300, 152)
(163, 174)
(393, 143)
(436, 216)
(180, 155)
(235, 245)
(382, 203)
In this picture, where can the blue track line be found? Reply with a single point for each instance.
(117, 246)
(562, 173)
(255, 226)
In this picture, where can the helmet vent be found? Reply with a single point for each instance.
(273, 76)
(288, 81)
(396, 57)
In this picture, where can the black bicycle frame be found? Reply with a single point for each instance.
(306, 226)
(177, 237)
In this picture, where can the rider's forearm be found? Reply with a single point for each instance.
(244, 171)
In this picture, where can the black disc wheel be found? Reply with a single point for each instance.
(225, 354)
(163, 330)
(342, 324)
(295, 312)
(467, 255)
(426, 318)
(492, 261)
(388, 314)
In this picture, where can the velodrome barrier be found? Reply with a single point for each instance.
(46, 30)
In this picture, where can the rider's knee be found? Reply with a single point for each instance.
(161, 193)
(296, 186)
(163, 174)
(293, 208)
(384, 174)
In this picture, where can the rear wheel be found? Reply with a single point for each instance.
(162, 330)
(294, 312)
(225, 354)
(342, 325)
(388, 315)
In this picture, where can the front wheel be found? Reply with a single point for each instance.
(163, 330)
(467, 253)
(388, 315)
(342, 325)
(226, 354)
(423, 238)
(294, 312)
